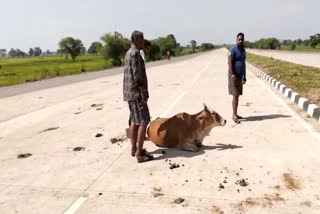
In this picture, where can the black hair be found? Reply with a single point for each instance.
(240, 34)
(147, 43)
(135, 35)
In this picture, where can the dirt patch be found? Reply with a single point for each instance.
(242, 182)
(248, 104)
(118, 139)
(216, 210)
(157, 192)
(77, 149)
(291, 181)
(96, 105)
(267, 200)
(173, 165)
(277, 187)
(25, 155)
(179, 200)
(306, 203)
(50, 129)
(99, 135)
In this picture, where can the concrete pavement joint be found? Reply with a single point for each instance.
(303, 103)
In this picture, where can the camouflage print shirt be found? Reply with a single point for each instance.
(135, 76)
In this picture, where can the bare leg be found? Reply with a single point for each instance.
(141, 137)
(235, 102)
(133, 136)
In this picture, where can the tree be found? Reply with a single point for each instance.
(206, 46)
(154, 52)
(115, 47)
(3, 52)
(168, 43)
(193, 45)
(37, 51)
(315, 40)
(12, 52)
(70, 46)
(48, 52)
(31, 52)
(293, 46)
(95, 48)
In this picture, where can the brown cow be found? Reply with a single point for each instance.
(184, 131)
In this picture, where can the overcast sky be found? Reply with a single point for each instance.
(30, 23)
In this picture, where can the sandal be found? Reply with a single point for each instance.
(144, 158)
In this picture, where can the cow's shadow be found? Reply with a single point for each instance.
(174, 153)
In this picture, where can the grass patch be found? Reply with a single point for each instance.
(28, 69)
(301, 48)
(302, 79)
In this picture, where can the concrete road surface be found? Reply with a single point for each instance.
(267, 164)
(308, 59)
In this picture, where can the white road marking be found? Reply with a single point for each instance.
(306, 125)
(183, 92)
(75, 206)
(172, 104)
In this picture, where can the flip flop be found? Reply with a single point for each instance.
(144, 158)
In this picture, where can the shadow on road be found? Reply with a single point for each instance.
(173, 153)
(265, 117)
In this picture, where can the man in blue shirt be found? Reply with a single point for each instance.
(237, 74)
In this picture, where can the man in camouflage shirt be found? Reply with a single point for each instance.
(135, 92)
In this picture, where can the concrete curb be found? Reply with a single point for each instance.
(311, 109)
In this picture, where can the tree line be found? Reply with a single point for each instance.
(113, 46)
(274, 43)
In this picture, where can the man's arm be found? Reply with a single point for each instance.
(137, 69)
(138, 75)
(245, 70)
(230, 64)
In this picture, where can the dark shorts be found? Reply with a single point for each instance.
(139, 113)
(235, 86)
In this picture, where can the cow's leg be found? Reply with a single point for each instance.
(188, 145)
(198, 143)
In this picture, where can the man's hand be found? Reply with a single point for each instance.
(144, 95)
(244, 81)
(233, 77)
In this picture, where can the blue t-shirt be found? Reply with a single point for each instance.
(238, 57)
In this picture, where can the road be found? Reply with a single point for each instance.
(303, 58)
(275, 152)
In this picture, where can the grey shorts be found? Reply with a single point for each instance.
(139, 113)
(235, 86)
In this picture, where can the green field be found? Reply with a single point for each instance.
(20, 70)
(301, 48)
(28, 69)
(302, 79)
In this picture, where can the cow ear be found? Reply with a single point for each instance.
(205, 107)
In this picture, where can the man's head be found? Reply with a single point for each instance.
(137, 39)
(240, 40)
(147, 46)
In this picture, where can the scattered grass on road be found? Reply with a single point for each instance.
(302, 79)
(28, 69)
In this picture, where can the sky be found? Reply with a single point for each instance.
(43, 23)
